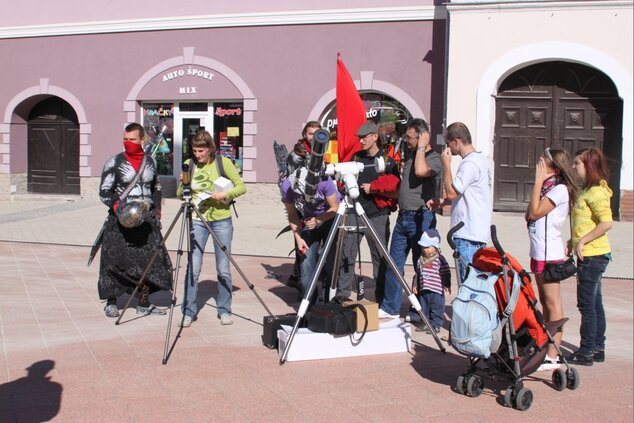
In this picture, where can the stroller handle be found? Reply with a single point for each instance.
(496, 243)
(451, 232)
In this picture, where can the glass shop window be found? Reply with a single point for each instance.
(158, 121)
(228, 120)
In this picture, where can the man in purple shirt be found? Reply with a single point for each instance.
(312, 229)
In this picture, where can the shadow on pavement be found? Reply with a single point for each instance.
(33, 398)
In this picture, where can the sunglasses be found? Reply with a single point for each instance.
(550, 156)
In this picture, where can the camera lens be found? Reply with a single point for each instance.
(322, 135)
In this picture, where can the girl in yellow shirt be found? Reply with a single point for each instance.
(591, 220)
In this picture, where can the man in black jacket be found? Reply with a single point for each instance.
(377, 197)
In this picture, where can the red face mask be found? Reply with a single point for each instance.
(134, 154)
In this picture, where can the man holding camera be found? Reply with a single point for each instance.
(377, 197)
(420, 187)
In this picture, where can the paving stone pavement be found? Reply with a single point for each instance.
(71, 220)
(63, 360)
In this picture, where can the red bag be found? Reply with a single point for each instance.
(385, 202)
(385, 183)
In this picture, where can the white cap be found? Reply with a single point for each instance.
(430, 238)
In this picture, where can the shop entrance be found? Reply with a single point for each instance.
(189, 119)
(190, 127)
(558, 105)
(53, 148)
(173, 125)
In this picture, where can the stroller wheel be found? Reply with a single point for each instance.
(524, 399)
(508, 396)
(559, 379)
(573, 379)
(461, 385)
(475, 386)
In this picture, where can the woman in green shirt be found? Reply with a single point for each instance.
(213, 199)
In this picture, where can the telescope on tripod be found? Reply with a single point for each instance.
(345, 173)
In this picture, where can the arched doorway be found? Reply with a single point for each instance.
(553, 104)
(53, 148)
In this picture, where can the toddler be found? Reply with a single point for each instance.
(434, 279)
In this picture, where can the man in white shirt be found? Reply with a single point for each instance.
(469, 192)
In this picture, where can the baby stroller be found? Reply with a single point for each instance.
(512, 351)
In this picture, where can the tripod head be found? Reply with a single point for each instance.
(187, 181)
(348, 172)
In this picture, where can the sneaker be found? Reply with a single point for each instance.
(385, 315)
(421, 328)
(428, 331)
(151, 309)
(580, 359)
(549, 364)
(111, 310)
(186, 321)
(412, 317)
(599, 356)
(225, 319)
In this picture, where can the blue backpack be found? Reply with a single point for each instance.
(475, 325)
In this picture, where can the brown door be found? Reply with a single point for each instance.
(558, 105)
(53, 148)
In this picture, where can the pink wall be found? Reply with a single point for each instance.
(288, 69)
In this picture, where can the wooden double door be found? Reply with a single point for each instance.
(53, 148)
(558, 105)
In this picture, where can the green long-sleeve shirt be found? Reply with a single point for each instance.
(203, 181)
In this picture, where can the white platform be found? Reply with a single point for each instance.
(393, 336)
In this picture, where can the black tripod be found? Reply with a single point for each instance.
(185, 213)
(338, 224)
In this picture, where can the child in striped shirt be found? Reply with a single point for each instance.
(434, 279)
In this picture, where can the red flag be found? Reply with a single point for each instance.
(350, 113)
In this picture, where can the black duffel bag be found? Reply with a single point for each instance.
(334, 318)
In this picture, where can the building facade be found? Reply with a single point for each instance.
(249, 78)
(522, 75)
(534, 74)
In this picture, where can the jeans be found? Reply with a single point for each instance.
(315, 238)
(409, 227)
(466, 249)
(590, 303)
(223, 229)
(433, 307)
(381, 225)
